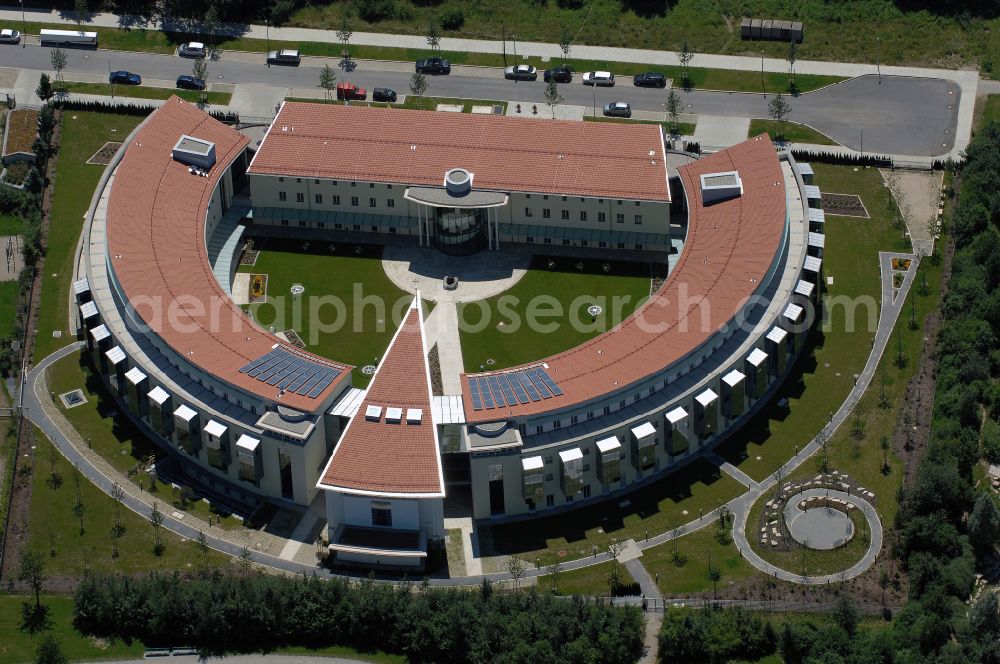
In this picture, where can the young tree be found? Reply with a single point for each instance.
(714, 575)
(344, 33)
(779, 109)
(199, 69)
(327, 80)
(49, 651)
(793, 55)
(57, 58)
(883, 445)
(554, 570)
(44, 89)
(515, 567)
(685, 56)
(434, 35)
(565, 42)
(615, 548)
(82, 11)
(78, 508)
(552, 96)
(673, 109)
(117, 494)
(246, 561)
(156, 518)
(418, 84)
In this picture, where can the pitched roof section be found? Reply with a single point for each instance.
(156, 244)
(376, 456)
(505, 154)
(730, 246)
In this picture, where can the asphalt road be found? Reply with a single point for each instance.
(900, 115)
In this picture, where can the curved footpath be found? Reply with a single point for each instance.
(39, 407)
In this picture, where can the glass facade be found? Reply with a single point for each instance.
(459, 231)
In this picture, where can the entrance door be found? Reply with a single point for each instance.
(496, 489)
(287, 487)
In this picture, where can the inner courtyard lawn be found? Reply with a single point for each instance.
(556, 298)
(697, 552)
(349, 310)
(697, 488)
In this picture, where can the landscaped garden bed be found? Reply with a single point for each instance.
(845, 205)
(104, 156)
(258, 287)
(22, 127)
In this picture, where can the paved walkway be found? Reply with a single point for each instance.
(441, 328)
(715, 132)
(967, 80)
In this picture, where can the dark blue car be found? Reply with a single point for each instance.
(123, 77)
(188, 82)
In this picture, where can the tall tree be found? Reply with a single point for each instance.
(418, 84)
(984, 524)
(210, 24)
(44, 89)
(552, 96)
(82, 11)
(32, 572)
(327, 80)
(779, 109)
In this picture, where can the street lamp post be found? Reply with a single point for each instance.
(267, 30)
(24, 27)
(594, 85)
(878, 68)
(763, 89)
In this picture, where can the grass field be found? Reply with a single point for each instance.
(354, 330)
(82, 135)
(143, 92)
(682, 128)
(55, 529)
(793, 132)
(116, 439)
(498, 327)
(592, 580)
(18, 647)
(652, 509)
(10, 225)
(9, 291)
(991, 109)
(698, 551)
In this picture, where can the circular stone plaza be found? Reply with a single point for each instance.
(251, 417)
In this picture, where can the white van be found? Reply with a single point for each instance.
(191, 50)
(67, 38)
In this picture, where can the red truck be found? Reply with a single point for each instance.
(350, 91)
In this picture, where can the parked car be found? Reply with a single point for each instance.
(433, 66)
(188, 82)
(562, 74)
(123, 77)
(286, 56)
(618, 109)
(602, 78)
(383, 94)
(521, 73)
(191, 50)
(8, 36)
(651, 79)
(349, 91)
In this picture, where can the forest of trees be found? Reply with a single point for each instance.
(221, 613)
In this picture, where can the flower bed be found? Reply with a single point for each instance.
(258, 287)
(900, 263)
(22, 127)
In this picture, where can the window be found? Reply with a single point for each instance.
(602, 244)
(565, 242)
(545, 197)
(336, 199)
(565, 214)
(547, 459)
(382, 513)
(315, 181)
(371, 202)
(320, 224)
(638, 219)
(319, 198)
(549, 477)
(621, 404)
(299, 180)
(354, 184)
(371, 185)
(602, 217)
(530, 239)
(583, 243)
(354, 201)
(607, 409)
(557, 424)
(338, 227)
(527, 195)
(302, 224)
(390, 203)
(564, 199)
(374, 228)
(527, 212)
(496, 472)
(583, 215)
(547, 240)
(600, 200)
(333, 183)
(281, 179)
(638, 247)
(586, 491)
(586, 466)
(574, 419)
(619, 218)
(284, 222)
(538, 429)
(389, 187)
(621, 245)
(300, 197)
(392, 230)
(356, 227)
(619, 202)
(550, 501)
(546, 213)
(282, 196)
(590, 414)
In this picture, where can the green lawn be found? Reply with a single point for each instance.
(991, 109)
(591, 580)
(415, 103)
(694, 550)
(343, 325)
(9, 291)
(681, 128)
(652, 509)
(143, 92)
(55, 529)
(793, 132)
(498, 328)
(825, 372)
(18, 647)
(82, 135)
(377, 657)
(116, 439)
(10, 225)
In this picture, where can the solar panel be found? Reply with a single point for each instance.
(508, 391)
(297, 382)
(311, 383)
(528, 386)
(290, 368)
(276, 368)
(539, 383)
(515, 384)
(323, 383)
(277, 357)
(549, 383)
(484, 389)
(253, 364)
(477, 401)
(497, 392)
(305, 369)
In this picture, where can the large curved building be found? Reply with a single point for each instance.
(251, 417)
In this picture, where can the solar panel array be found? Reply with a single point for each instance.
(512, 388)
(293, 373)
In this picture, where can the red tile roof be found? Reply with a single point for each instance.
(730, 246)
(377, 144)
(381, 457)
(156, 243)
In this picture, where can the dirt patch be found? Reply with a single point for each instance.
(104, 156)
(844, 205)
(434, 363)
